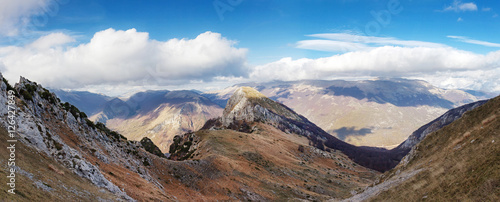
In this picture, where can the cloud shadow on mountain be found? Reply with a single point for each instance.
(344, 132)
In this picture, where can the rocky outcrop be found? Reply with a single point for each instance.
(248, 104)
(150, 147)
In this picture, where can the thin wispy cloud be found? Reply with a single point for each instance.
(16, 14)
(459, 6)
(477, 42)
(460, 19)
(344, 42)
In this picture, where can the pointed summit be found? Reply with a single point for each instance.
(249, 105)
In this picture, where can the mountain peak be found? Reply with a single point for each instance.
(249, 92)
(249, 105)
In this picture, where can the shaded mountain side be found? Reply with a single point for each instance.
(458, 162)
(377, 113)
(247, 105)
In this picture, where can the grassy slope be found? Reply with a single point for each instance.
(65, 185)
(460, 161)
(269, 161)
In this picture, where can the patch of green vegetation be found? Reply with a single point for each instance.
(188, 155)
(26, 95)
(9, 87)
(150, 147)
(113, 134)
(58, 145)
(90, 123)
(45, 94)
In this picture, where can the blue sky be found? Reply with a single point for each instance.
(270, 28)
(313, 39)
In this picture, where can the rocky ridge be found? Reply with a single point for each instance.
(60, 131)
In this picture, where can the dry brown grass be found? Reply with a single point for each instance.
(461, 161)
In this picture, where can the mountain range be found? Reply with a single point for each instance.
(257, 149)
(377, 113)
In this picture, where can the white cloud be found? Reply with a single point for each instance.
(486, 9)
(329, 45)
(51, 40)
(460, 19)
(382, 61)
(477, 42)
(123, 57)
(345, 42)
(15, 14)
(459, 6)
(486, 80)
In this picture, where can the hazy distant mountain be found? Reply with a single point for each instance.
(90, 103)
(379, 113)
(158, 115)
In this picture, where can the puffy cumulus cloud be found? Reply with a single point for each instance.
(459, 6)
(384, 61)
(15, 14)
(123, 57)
